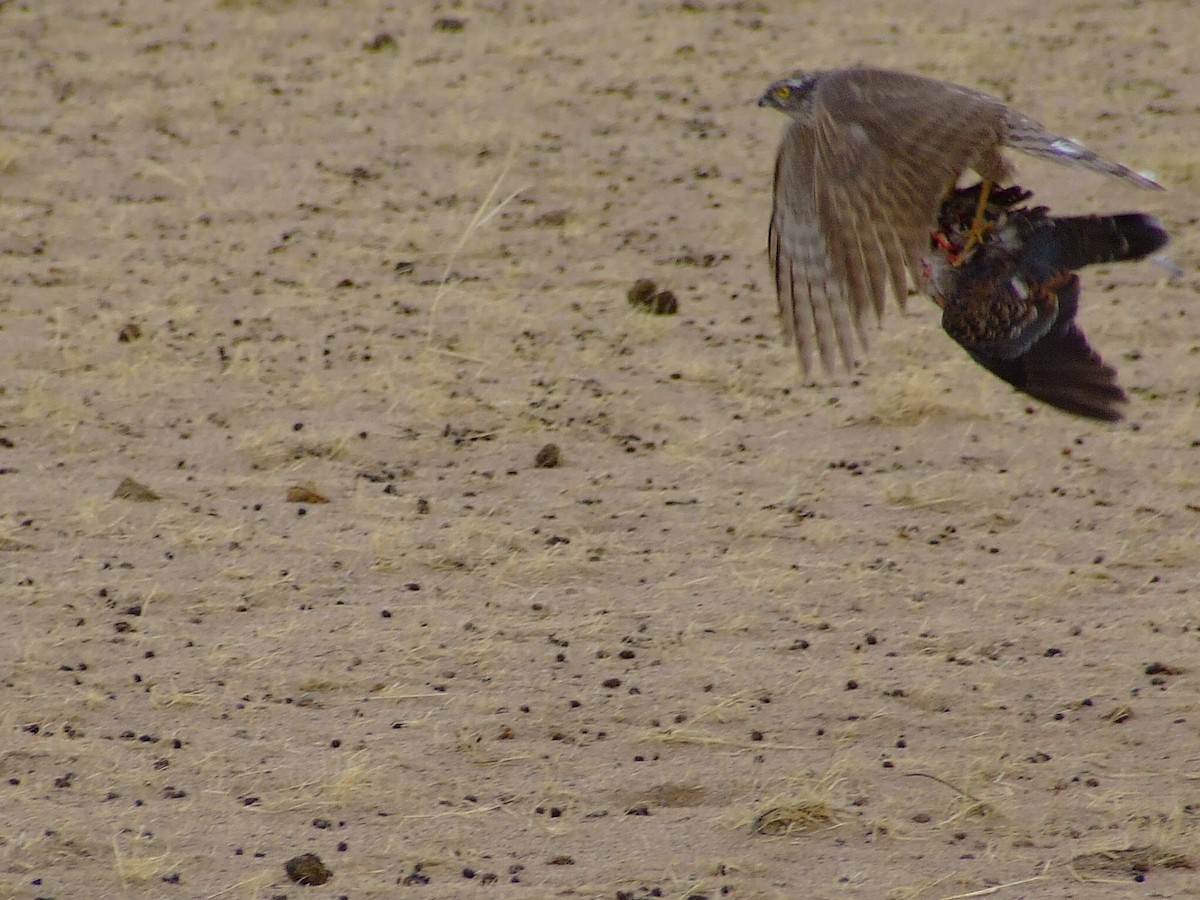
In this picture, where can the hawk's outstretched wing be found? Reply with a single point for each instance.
(857, 190)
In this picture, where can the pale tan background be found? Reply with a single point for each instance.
(458, 645)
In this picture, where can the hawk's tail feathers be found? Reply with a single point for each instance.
(1029, 136)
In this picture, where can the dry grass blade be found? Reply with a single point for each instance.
(943, 781)
(997, 888)
(1120, 864)
(483, 214)
(802, 816)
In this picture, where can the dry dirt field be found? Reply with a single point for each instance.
(322, 280)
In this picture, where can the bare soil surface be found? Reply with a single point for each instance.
(296, 294)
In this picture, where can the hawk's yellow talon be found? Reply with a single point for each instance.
(979, 225)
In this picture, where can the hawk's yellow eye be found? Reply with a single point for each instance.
(782, 92)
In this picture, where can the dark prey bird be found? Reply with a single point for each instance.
(1011, 299)
(867, 159)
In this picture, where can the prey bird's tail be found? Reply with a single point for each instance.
(1067, 243)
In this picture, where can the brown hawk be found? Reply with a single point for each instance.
(863, 168)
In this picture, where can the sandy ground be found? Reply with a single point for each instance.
(904, 635)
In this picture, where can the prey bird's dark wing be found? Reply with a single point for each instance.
(1051, 360)
(1011, 302)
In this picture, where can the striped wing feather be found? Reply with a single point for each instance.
(857, 192)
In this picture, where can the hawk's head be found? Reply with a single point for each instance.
(791, 95)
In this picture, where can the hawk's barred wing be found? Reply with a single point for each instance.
(804, 281)
(857, 192)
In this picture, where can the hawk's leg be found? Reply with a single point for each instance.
(979, 225)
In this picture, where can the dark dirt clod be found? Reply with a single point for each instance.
(645, 295)
(1160, 668)
(307, 869)
(665, 303)
(549, 457)
(641, 293)
(381, 41)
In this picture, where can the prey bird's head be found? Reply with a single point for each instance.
(791, 95)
